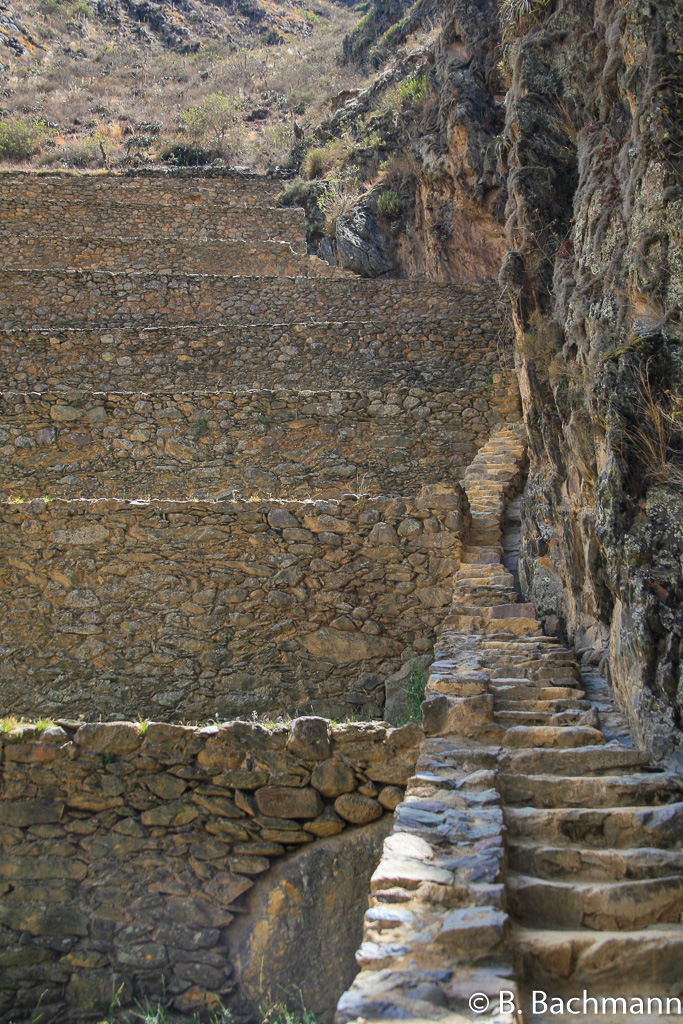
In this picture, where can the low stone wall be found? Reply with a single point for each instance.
(207, 256)
(452, 353)
(175, 219)
(279, 443)
(129, 850)
(77, 298)
(190, 610)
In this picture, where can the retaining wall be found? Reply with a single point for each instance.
(76, 298)
(279, 443)
(143, 185)
(190, 610)
(206, 256)
(187, 221)
(128, 851)
(412, 352)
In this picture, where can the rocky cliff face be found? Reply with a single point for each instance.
(594, 220)
(440, 148)
(588, 172)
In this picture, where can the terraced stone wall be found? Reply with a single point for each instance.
(144, 185)
(150, 205)
(464, 350)
(205, 256)
(128, 852)
(191, 611)
(294, 444)
(77, 298)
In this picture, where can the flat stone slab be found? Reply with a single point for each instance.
(513, 611)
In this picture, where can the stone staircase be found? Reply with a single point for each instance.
(530, 855)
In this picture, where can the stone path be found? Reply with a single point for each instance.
(530, 854)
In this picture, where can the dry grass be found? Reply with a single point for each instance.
(95, 86)
(655, 437)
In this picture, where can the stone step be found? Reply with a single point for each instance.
(599, 760)
(480, 555)
(563, 960)
(512, 690)
(557, 737)
(483, 624)
(649, 789)
(599, 827)
(540, 716)
(492, 584)
(482, 573)
(600, 906)
(541, 707)
(553, 862)
(482, 599)
(31, 298)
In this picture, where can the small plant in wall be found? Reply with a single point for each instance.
(415, 694)
(201, 427)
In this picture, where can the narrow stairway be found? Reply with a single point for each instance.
(589, 895)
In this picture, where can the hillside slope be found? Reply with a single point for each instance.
(123, 82)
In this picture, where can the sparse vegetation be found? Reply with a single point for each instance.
(10, 723)
(651, 427)
(516, 18)
(338, 199)
(85, 98)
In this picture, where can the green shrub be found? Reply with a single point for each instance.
(316, 163)
(182, 155)
(390, 205)
(321, 161)
(215, 120)
(413, 91)
(21, 139)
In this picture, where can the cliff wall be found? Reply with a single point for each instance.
(594, 225)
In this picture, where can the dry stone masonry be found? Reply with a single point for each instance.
(233, 481)
(188, 531)
(197, 609)
(127, 852)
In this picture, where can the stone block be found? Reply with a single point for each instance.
(357, 809)
(286, 802)
(310, 738)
